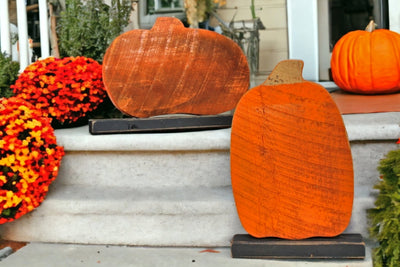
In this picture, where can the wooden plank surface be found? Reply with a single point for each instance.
(291, 164)
(349, 103)
(345, 246)
(159, 124)
(171, 69)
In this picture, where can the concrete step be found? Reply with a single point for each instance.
(138, 169)
(183, 216)
(66, 255)
(145, 160)
(170, 189)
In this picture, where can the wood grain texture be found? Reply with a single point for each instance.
(172, 69)
(291, 164)
(349, 103)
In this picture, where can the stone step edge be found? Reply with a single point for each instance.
(78, 199)
(360, 127)
(110, 255)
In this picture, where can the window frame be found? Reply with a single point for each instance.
(146, 19)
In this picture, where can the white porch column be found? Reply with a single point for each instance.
(394, 15)
(44, 29)
(5, 43)
(22, 34)
(303, 35)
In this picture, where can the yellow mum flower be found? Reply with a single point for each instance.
(7, 161)
(33, 123)
(49, 151)
(37, 135)
(2, 142)
(11, 200)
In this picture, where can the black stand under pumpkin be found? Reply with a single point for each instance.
(344, 246)
(159, 124)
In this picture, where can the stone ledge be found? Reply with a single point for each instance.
(110, 201)
(360, 127)
(373, 126)
(79, 139)
(65, 255)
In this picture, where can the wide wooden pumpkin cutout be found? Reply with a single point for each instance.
(172, 69)
(291, 164)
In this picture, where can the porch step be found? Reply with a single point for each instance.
(115, 215)
(170, 189)
(66, 255)
(182, 216)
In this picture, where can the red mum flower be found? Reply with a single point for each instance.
(64, 89)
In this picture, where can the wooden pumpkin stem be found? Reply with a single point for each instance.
(287, 71)
(163, 23)
(371, 26)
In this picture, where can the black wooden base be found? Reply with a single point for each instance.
(159, 124)
(345, 246)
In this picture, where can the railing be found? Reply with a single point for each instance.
(23, 38)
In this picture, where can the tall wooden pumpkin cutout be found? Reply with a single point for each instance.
(291, 164)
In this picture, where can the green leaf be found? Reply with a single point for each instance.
(87, 30)
(384, 218)
(8, 75)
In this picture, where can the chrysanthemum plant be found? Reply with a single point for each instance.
(65, 89)
(29, 157)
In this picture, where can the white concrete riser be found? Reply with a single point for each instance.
(138, 169)
(164, 195)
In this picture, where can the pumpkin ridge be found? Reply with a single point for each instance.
(396, 54)
(351, 63)
(334, 62)
(371, 71)
(364, 41)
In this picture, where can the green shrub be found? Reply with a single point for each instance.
(8, 74)
(385, 217)
(88, 29)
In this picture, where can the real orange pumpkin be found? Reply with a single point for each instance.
(367, 62)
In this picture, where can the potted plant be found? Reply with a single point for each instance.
(246, 34)
(87, 28)
(8, 74)
(384, 218)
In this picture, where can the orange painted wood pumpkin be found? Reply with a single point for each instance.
(172, 69)
(367, 62)
(291, 164)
